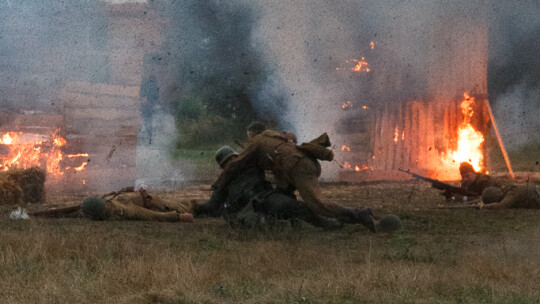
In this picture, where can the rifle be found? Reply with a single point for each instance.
(56, 212)
(449, 189)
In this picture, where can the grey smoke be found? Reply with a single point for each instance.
(518, 115)
(292, 47)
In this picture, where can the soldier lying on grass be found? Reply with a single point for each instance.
(125, 204)
(511, 196)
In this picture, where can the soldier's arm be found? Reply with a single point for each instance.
(507, 202)
(212, 207)
(236, 166)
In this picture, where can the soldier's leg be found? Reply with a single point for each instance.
(134, 212)
(282, 206)
(305, 178)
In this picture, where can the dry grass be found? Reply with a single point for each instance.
(442, 256)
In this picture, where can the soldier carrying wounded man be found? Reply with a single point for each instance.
(297, 167)
(249, 200)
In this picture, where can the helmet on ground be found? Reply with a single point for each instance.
(224, 153)
(491, 195)
(388, 223)
(94, 207)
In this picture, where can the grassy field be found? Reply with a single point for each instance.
(441, 256)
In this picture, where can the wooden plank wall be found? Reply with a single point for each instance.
(102, 120)
(412, 136)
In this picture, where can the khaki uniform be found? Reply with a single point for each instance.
(128, 205)
(141, 206)
(271, 150)
(518, 196)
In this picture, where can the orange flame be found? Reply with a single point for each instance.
(28, 150)
(469, 144)
(346, 105)
(81, 167)
(345, 148)
(361, 66)
(372, 45)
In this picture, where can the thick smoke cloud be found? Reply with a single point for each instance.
(281, 56)
(302, 43)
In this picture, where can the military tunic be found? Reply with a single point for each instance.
(141, 206)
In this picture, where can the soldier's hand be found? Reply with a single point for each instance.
(480, 205)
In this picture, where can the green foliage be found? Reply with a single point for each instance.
(208, 130)
(190, 108)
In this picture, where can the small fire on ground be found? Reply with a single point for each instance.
(24, 150)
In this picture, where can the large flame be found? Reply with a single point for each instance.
(469, 145)
(27, 150)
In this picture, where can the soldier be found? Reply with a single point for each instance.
(511, 196)
(476, 182)
(249, 200)
(125, 204)
(297, 166)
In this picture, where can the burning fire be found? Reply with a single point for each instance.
(28, 150)
(469, 144)
(346, 105)
(347, 165)
(361, 66)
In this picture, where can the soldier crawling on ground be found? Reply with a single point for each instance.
(125, 204)
(476, 182)
(511, 196)
(294, 166)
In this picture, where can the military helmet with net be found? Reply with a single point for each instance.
(388, 223)
(491, 195)
(94, 207)
(224, 153)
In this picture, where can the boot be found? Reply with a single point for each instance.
(328, 223)
(360, 216)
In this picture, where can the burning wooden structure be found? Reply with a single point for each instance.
(86, 138)
(430, 135)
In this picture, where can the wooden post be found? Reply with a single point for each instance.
(506, 159)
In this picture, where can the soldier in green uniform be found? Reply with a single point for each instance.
(296, 166)
(249, 200)
(511, 196)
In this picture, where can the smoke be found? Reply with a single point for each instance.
(517, 111)
(418, 54)
(292, 60)
(156, 168)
